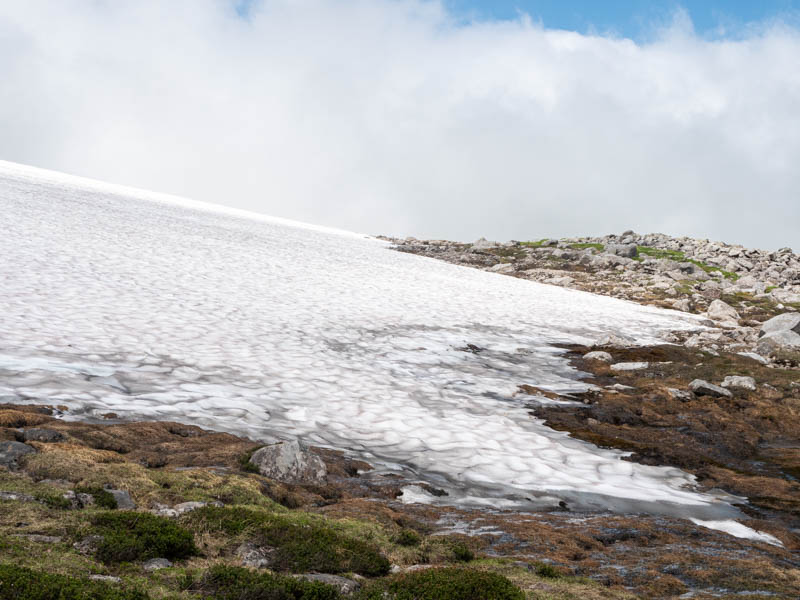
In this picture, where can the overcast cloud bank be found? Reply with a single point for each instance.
(396, 117)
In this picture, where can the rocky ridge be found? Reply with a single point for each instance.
(738, 289)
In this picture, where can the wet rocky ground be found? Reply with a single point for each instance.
(51, 496)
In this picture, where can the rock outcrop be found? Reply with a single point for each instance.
(289, 462)
(780, 338)
(12, 452)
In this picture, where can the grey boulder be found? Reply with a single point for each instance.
(289, 462)
(598, 355)
(154, 564)
(624, 250)
(11, 452)
(741, 382)
(780, 337)
(37, 434)
(703, 388)
(343, 584)
(781, 323)
(630, 366)
(258, 557)
(723, 314)
(123, 498)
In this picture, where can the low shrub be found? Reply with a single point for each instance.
(462, 553)
(443, 584)
(301, 544)
(52, 499)
(407, 537)
(545, 570)
(131, 536)
(20, 583)
(102, 498)
(235, 583)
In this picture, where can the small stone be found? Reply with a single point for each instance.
(598, 355)
(254, 556)
(42, 539)
(738, 381)
(88, 545)
(502, 268)
(343, 584)
(629, 366)
(704, 388)
(683, 305)
(618, 387)
(681, 395)
(106, 578)
(155, 564)
(755, 357)
(16, 496)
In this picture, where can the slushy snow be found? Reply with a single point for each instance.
(145, 305)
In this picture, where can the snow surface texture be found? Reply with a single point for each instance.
(118, 300)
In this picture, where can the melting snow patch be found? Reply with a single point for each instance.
(265, 327)
(736, 529)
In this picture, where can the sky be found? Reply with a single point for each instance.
(636, 19)
(456, 119)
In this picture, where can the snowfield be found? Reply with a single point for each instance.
(118, 300)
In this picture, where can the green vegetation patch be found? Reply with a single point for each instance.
(301, 542)
(133, 536)
(679, 256)
(20, 583)
(102, 498)
(462, 553)
(407, 537)
(676, 255)
(235, 583)
(443, 584)
(244, 460)
(585, 245)
(52, 499)
(534, 244)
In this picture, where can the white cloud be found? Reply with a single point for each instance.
(394, 117)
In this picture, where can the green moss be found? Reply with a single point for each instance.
(244, 461)
(20, 583)
(679, 256)
(132, 536)
(534, 244)
(661, 253)
(443, 584)
(509, 252)
(102, 498)
(302, 543)
(585, 245)
(235, 583)
(52, 499)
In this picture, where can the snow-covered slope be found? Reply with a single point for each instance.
(117, 300)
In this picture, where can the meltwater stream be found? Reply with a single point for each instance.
(117, 300)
